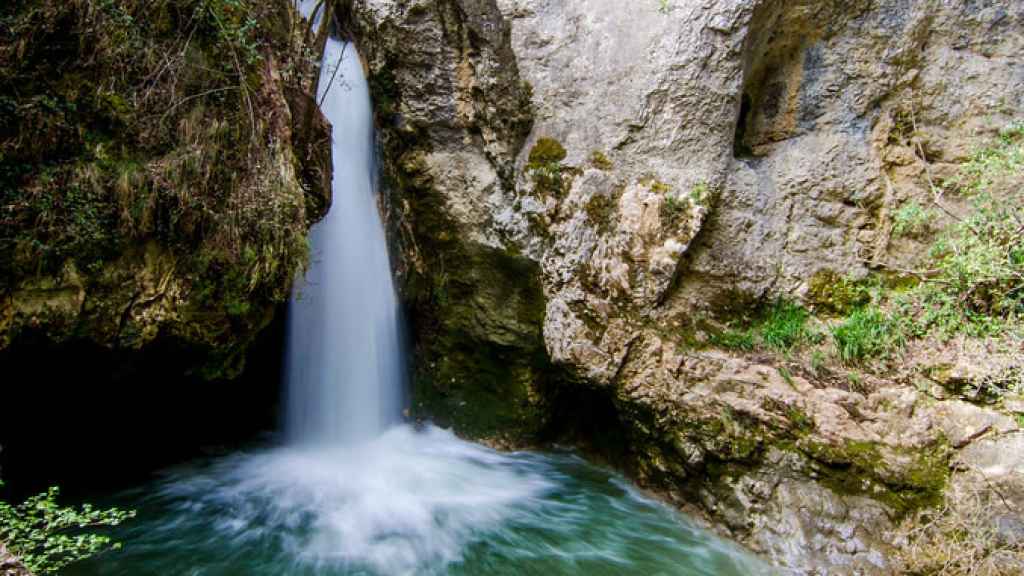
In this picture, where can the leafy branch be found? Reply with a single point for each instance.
(48, 537)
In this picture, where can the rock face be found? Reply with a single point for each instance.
(156, 189)
(9, 565)
(577, 183)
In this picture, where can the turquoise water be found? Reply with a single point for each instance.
(410, 502)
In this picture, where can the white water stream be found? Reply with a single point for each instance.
(344, 368)
(355, 492)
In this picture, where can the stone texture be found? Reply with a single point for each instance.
(962, 423)
(716, 154)
(9, 565)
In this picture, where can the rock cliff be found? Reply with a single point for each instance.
(764, 255)
(160, 167)
(682, 212)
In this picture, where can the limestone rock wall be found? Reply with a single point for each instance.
(579, 182)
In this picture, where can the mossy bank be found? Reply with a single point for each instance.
(156, 173)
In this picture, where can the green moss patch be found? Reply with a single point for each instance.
(864, 469)
(836, 294)
(600, 161)
(601, 211)
(545, 153)
(162, 127)
(545, 167)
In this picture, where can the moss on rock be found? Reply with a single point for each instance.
(545, 167)
(601, 211)
(546, 152)
(187, 148)
(905, 480)
(483, 368)
(600, 160)
(830, 292)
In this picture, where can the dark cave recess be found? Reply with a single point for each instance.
(87, 418)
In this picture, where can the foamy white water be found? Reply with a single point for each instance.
(353, 493)
(406, 503)
(344, 367)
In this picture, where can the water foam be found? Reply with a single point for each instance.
(408, 502)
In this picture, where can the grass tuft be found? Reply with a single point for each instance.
(867, 333)
(782, 327)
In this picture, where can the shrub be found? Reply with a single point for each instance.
(981, 259)
(973, 280)
(912, 220)
(977, 285)
(988, 164)
(48, 537)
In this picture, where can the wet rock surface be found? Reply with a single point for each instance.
(649, 166)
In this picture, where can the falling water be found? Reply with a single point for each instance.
(352, 492)
(344, 373)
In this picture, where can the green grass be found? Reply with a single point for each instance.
(744, 340)
(867, 333)
(785, 326)
(781, 327)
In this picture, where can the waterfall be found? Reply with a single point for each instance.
(344, 376)
(352, 493)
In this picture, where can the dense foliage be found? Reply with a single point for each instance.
(47, 537)
(126, 121)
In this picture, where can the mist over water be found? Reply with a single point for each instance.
(351, 491)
